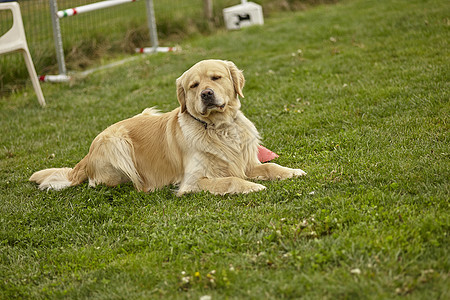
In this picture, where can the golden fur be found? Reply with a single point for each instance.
(205, 144)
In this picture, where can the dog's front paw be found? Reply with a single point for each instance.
(271, 171)
(298, 173)
(286, 173)
(254, 187)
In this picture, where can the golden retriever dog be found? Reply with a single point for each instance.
(206, 144)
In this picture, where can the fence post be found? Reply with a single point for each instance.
(152, 25)
(57, 37)
(208, 10)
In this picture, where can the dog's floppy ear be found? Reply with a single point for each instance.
(181, 95)
(237, 77)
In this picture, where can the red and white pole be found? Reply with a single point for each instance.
(90, 7)
(158, 49)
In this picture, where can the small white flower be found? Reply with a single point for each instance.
(356, 271)
(206, 297)
(185, 279)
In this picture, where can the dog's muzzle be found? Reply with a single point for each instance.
(210, 101)
(208, 97)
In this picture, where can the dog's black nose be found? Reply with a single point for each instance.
(207, 95)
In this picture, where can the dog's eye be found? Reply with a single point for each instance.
(194, 85)
(214, 78)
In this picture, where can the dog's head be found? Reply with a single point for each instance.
(209, 88)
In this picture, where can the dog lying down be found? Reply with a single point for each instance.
(205, 144)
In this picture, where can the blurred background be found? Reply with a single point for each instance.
(113, 32)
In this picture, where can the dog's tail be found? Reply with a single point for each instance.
(60, 178)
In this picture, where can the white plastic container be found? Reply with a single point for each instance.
(242, 15)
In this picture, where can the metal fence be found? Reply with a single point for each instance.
(86, 37)
(118, 29)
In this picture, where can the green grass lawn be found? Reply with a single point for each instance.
(355, 94)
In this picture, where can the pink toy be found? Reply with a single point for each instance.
(265, 155)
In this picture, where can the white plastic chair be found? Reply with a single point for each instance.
(15, 40)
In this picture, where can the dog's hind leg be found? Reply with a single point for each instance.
(103, 172)
(111, 161)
